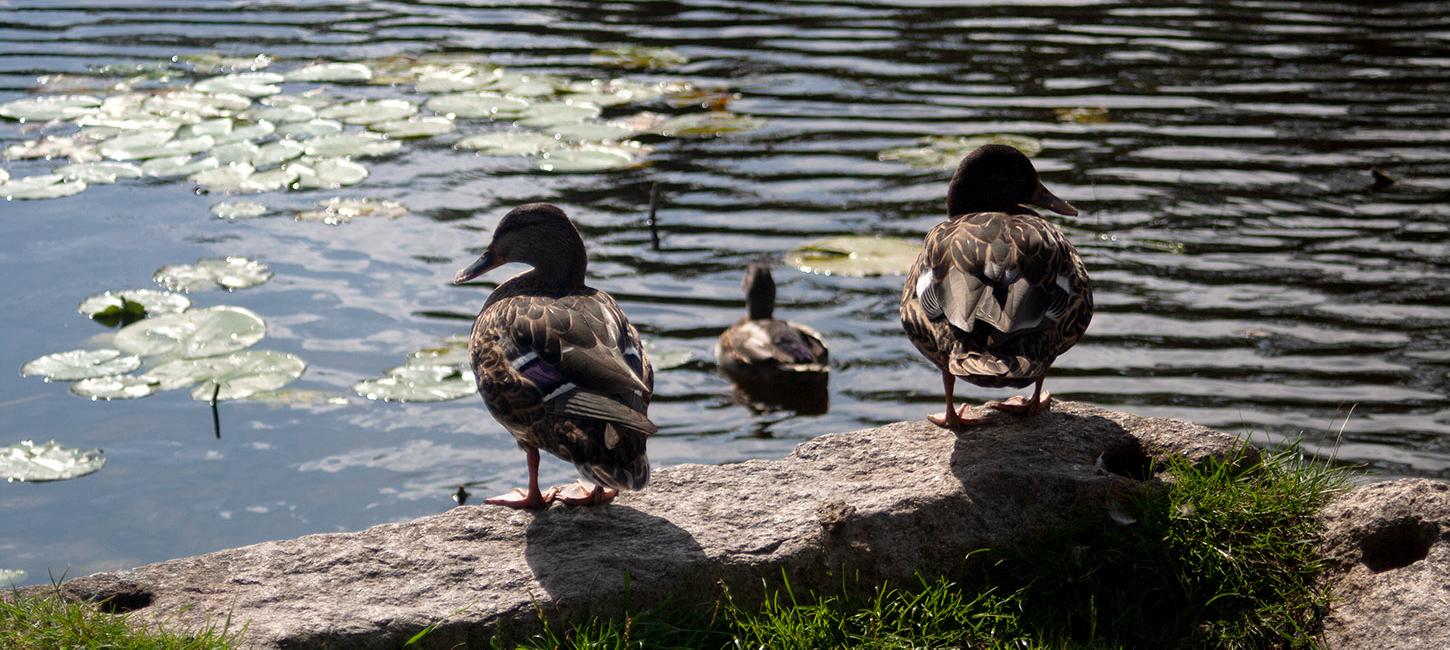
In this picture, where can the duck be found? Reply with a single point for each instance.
(770, 359)
(558, 364)
(997, 292)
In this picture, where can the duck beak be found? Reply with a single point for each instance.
(485, 263)
(1045, 199)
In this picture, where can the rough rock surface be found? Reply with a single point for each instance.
(1389, 549)
(886, 502)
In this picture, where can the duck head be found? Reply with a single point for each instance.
(999, 178)
(759, 291)
(539, 235)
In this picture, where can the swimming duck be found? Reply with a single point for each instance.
(558, 364)
(766, 357)
(997, 292)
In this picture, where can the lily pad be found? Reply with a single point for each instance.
(191, 102)
(232, 210)
(476, 105)
(369, 111)
(351, 144)
(509, 143)
(590, 132)
(707, 125)
(587, 159)
(246, 131)
(453, 79)
(28, 461)
(310, 129)
(113, 387)
(50, 107)
(215, 127)
(238, 375)
(415, 127)
(4, 176)
(855, 256)
(224, 178)
(78, 148)
(418, 383)
(178, 166)
(114, 308)
(328, 173)
(614, 92)
(339, 210)
(526, 85)
(331, 72)
(245, 84)
(947, 151)
(140, 147)
(640, 57)
(666, 358)
(99, 172)
(228, 273)
(81, 364)
(235, 152)
(276, 153)
(551, 113)
(283, 114)
(44, 186)
(194, 333)
(211, 62)
(452, 351)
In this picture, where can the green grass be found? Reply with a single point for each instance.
(1214, 557)
(46, 622)
(1217, 557)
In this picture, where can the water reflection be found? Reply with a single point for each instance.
(1248, 275)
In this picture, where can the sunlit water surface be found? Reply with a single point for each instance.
(1247, 277)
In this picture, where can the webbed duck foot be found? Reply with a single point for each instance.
(520, 499)
(579, 494)
(1024, 405)
(961, 418)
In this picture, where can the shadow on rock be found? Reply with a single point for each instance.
(597, 555)
(1015, 468)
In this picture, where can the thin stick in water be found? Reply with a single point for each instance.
(654, 206)
(216, 417)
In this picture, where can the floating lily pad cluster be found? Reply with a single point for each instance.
(946, 151)
(27, 461)
(165, 344)
(240, 128)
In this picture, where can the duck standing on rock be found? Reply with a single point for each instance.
(772, 360)
(558, 364)
(997, 292)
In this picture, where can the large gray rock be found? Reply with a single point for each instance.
(1389, 549)
(888, 502)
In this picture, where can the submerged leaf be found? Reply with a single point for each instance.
(193, 334)
(28, 461)
(233, 210)
(707, 125)
(666, 359)
(300, 397)
(855, 256)
(452, 351)
(339, 210)
(1083, 114)
(418, 383)
(640, 57)
(81, 364)
(228, 273)
(234, 376)
(113, 387)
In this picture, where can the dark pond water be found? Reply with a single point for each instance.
(1248, 277)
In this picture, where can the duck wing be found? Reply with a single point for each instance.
(580, 354)
(1005, 283)
(752, 342)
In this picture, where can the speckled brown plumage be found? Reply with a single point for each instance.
(997, 292)
(557, 362)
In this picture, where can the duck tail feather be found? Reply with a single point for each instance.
(633, 476)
